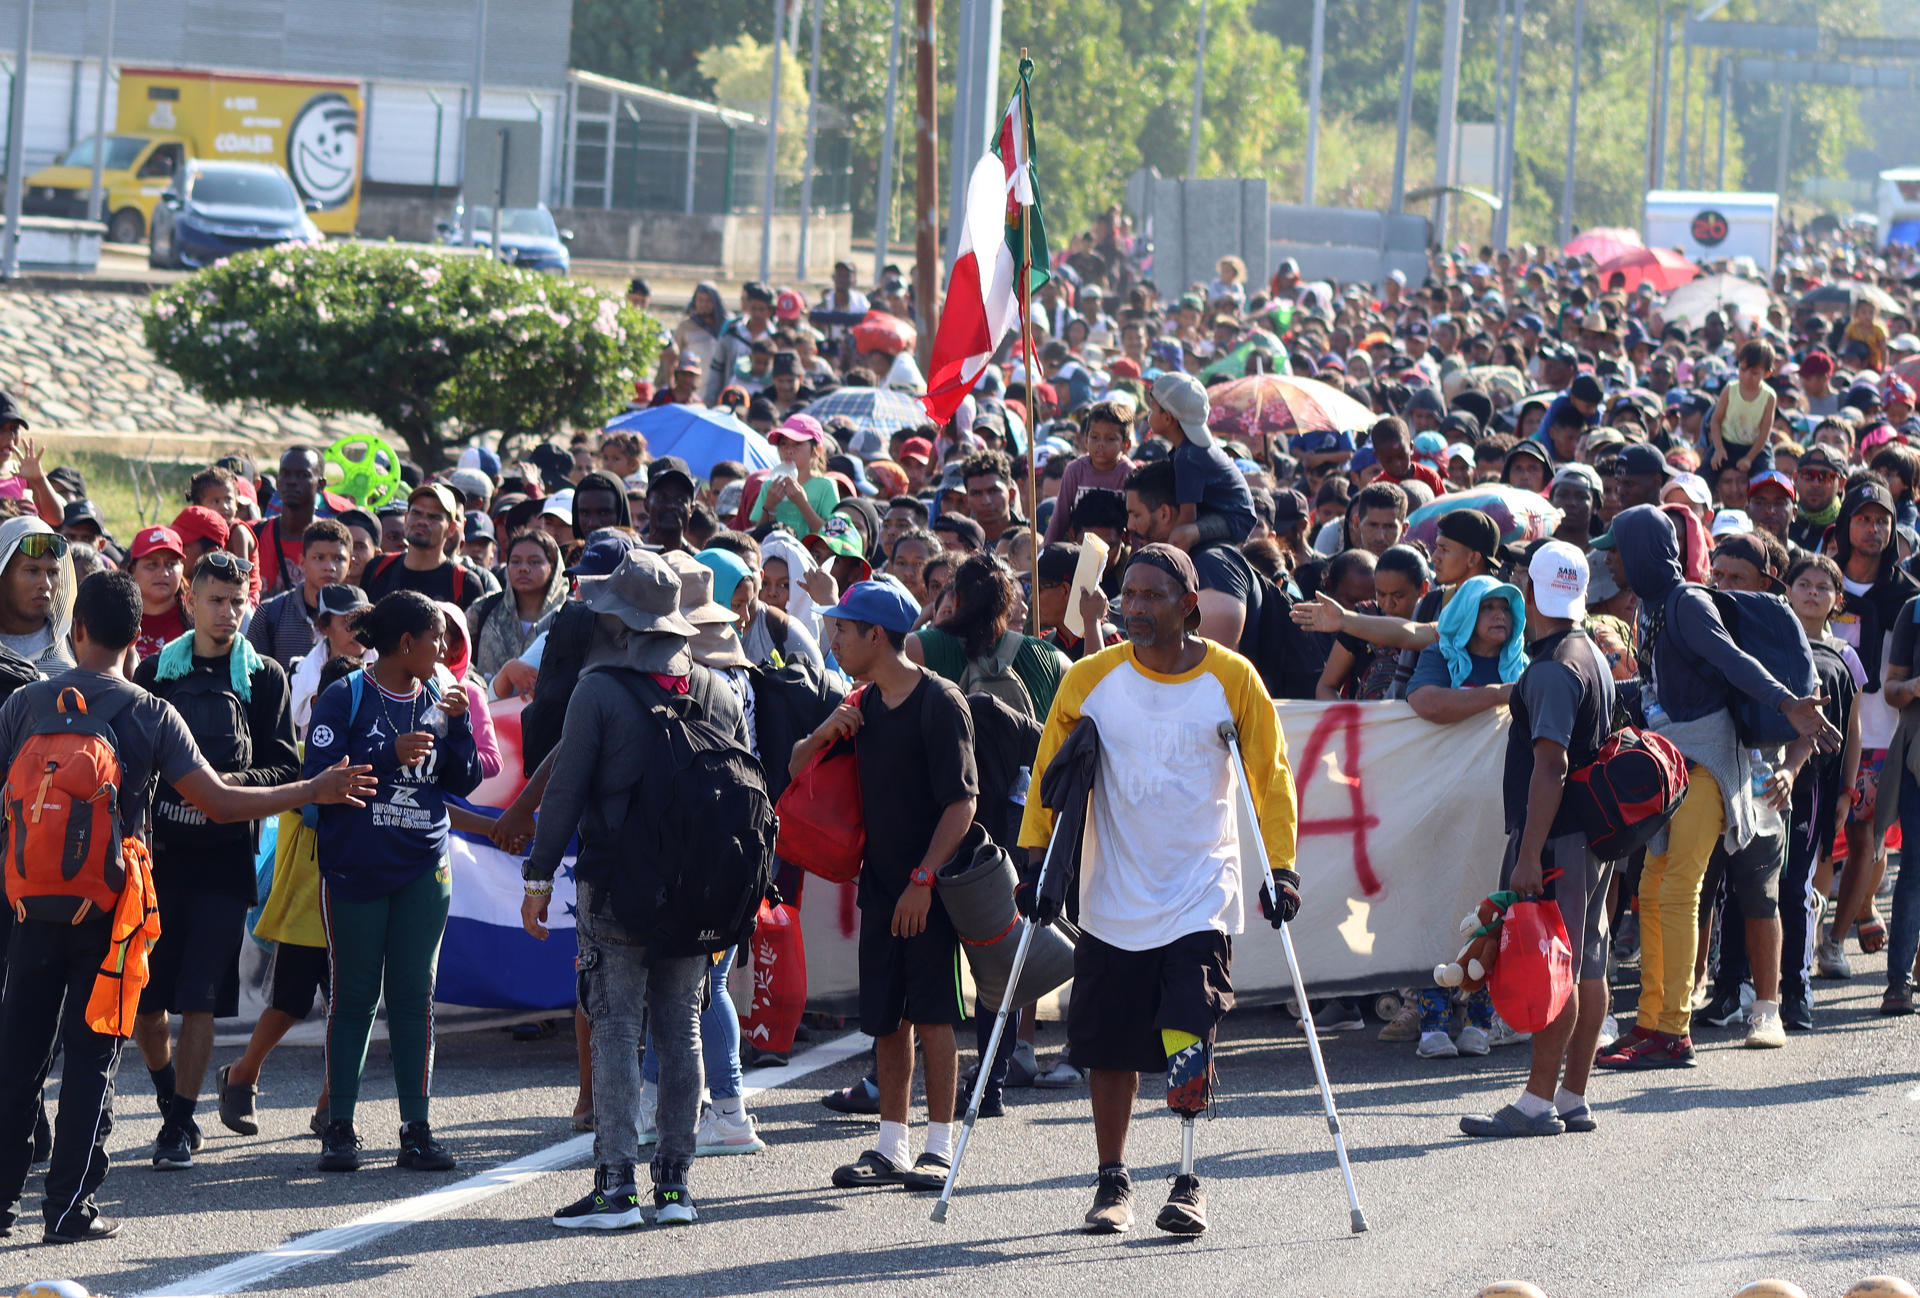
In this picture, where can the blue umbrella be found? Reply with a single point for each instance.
(700, 436)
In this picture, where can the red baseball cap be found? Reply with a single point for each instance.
(156, 538)
(1776, 479)
(917, 449)
(198, 523)
(789, 305)
(1124, 368)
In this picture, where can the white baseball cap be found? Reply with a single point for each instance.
(1181, 396)
(1558, 574)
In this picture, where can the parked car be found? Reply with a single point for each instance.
(215, 209)
(529, 238)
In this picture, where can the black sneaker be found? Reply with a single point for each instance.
(1186, 1210)
(1796, 1009)
(97, 1227)
(420, 1152)
(339, 1147)
(171, 1151)
(1724, 1009)
(672, 1204)
(863, 1097)
(1112, 1210)
(614, 1203)
(236, 1104)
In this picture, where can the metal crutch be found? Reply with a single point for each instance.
(1232, 737)
(993, 1041)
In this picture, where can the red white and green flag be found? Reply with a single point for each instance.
(1001, 230)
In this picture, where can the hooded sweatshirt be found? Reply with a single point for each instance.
(1867, 620)
(622, 511)
(46, 649)
(494, 621)
(1462, 613)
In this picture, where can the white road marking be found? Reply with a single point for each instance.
(246, 1273)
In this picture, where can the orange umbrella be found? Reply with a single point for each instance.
(1603, 243)
(1663, 268)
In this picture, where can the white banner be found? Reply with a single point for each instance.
(1401, 834)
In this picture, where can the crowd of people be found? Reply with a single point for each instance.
(1049, 605)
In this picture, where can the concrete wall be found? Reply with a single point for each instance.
(1348, 245)
(1197, 222)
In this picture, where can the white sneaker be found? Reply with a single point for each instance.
(1502, 1034)
(726, 1133)
(648, 1124)
(1437, 1045)
(1765, 1031)
(1063, 1074)
(1472, 1041)
(1609, 1029)
(1832, 960)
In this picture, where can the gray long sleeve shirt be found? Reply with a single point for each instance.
(609, 746)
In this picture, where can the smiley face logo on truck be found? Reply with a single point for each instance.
(323, 149)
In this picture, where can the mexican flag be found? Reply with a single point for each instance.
(1002, 230)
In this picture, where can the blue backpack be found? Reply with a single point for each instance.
(1767, 630)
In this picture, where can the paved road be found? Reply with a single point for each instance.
(1797, 1163)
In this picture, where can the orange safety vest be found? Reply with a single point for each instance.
(136, 927)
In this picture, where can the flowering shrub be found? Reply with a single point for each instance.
(434, 346)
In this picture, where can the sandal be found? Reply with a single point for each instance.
(1872, 934)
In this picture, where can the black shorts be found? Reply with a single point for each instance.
(1122, 1000)
(299, 974)
(195, 966)
(908, 979)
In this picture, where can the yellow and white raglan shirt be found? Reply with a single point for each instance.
(1162, 853)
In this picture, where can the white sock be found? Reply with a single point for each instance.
(940, 1139)
(1532, 1105)
(730, 1108)
(1565, 1101)
(893, 1143)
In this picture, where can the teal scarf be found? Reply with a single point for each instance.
(176, 660)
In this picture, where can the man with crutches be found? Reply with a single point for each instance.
(1160, 882)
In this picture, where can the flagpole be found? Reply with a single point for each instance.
(1026, 347)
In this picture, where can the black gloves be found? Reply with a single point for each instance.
(1286, 887)
(1028, 901)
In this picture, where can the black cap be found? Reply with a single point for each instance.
(10, 411)
(1174, 562)
(1289, 507)
(1057, 562)
(338, 597)
(361, 519)
(84, 511)
(1822, 456)
(1473, 529)
(1638, 458)
(479, 527)
(1460, 427)
(1585, 387)
(669, 466)
(1102, 507)
(785, 363)
(963, 527)
(1868, 493)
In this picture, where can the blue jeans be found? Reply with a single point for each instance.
(624, 991)
(1903, 935)
(719, 1036)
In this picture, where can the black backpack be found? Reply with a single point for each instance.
(1766, 628)
(1005, 741)
(217, 719)
(789, 703)
(1290, 658)
(707, 829)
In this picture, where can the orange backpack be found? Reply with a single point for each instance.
(62, 806)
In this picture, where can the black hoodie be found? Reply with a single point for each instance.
(1880, 607)
(622, 512)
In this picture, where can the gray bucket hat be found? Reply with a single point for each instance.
(643, 593)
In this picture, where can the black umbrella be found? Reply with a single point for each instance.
(1843, 295)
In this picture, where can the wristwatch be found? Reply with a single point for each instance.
(921, 877)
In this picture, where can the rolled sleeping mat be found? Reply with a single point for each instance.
(976, 887)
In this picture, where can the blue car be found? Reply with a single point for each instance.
(212, 210)
(529, 238)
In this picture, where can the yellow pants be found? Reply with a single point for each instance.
(1670, 905)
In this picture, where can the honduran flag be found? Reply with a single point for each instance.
(487, 959)
(1001, 230)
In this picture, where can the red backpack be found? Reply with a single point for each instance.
(1628, 792)
(819, 823)
(62, 804)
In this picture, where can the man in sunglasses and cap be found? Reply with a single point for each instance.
(36, 594)
(236, 703)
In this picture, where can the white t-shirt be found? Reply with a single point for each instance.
(1878, 719)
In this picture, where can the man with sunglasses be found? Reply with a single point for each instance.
(36, 594)
(1817, 481)
(235, 702)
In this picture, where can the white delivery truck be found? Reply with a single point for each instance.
(1900, 206)
(1713, 227)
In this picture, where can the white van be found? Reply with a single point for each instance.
(1712, 227)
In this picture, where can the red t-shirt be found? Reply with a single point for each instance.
(158, 628)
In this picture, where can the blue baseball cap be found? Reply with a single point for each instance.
(601, 557)
(879, 603)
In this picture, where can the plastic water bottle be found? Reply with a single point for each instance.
(1766, 817)
(1656, 715)
(1762, 772)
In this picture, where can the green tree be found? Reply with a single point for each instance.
(742, 75)
(433, 346)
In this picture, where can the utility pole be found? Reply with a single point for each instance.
(1666, 87)
(1444, 128)
(1315, 61)
(1686, 94)
(17, 143)
(1503, 219)
(1573, 122)
(1781, 149)
(473, 110)
(1405, 120)
(1199, 90)
(806, 178)
(773, 153)
(883, 196)
(1726, 105)
(926, 253)
(97, 196)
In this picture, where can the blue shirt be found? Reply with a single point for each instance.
(371, 851)
(1431, 669)
(1205, 478)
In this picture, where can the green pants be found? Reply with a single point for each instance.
(390, 943)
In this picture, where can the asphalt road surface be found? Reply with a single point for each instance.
(1795, 1163)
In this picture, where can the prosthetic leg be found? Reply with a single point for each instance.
(1189, 1092)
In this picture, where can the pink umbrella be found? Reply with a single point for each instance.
(1603, 243)
(1663, 268)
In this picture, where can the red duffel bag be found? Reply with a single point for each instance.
(821, 826)
(1532, 977)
